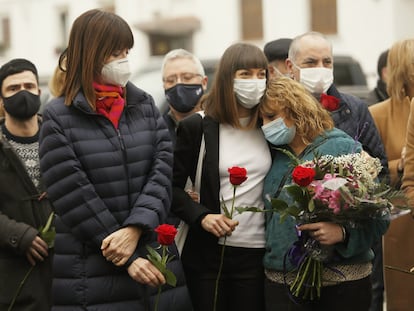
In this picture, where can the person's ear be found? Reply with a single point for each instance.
(204, 82)
(290, 67)
(384, 74)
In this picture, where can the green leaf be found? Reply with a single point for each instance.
(225, 209)
(48, 223)
(170, 277)
(298, 194)
(157, 264)
(294, 211)
(279, 205)
(153, 254)
(47, 232)
(49, 237)
(311, 205)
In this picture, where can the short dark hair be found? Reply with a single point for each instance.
(14, 66)
(277, 49)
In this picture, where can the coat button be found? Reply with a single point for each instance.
(13, 240)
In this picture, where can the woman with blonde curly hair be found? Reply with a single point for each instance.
(293, 120)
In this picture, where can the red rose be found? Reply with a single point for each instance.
(303, 176)
(330, 103)
(237, 175)
(166, 234)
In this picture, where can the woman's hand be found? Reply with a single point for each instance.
(143, 271)
(326, 233)
(218, 224)
(120, 245)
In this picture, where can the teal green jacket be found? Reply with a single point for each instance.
(281, 236)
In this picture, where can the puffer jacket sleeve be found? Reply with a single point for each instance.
(153, 204)
(71, 193)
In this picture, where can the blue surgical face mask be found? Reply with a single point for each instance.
(277, 133)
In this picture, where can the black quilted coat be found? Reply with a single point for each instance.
(101, 179)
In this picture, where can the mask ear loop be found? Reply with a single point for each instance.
(292, 76)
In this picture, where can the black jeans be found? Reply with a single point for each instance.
(347, 296)
(241, 282)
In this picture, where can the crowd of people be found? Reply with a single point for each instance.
(84, 185)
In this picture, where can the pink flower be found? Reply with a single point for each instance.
(334, 201)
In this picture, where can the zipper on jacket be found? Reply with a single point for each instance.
(124, 155)
(121, 140)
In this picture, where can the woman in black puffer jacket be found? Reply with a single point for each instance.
(106, 158)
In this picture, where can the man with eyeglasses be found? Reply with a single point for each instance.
(184, 82)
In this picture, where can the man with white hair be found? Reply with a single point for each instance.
(184, 82)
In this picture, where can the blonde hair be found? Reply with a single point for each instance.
(287, 95)
(56, 83)
(400, 69)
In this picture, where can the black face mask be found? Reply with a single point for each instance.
(22, 105)
(184, 97)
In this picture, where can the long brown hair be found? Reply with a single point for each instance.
(94, 36)
(291, 97)
(220, 102)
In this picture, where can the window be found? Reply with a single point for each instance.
(161, 44)
(324, 16)
(252, 19)
(165, 34)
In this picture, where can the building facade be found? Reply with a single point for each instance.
(38, 29)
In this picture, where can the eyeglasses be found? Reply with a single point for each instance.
(185, 77)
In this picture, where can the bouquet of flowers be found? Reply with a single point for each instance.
(342, 190)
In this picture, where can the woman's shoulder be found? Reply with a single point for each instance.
(135, 95)
(55, 106)
(337, 141)
(193, 121)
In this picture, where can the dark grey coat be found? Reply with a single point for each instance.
(21, 215)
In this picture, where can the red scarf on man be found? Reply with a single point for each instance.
(109, 101)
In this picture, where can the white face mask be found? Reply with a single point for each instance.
(316, 80)
(116, 72)
(249, 91)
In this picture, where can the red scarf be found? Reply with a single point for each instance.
(109, 101)
(329, 102)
